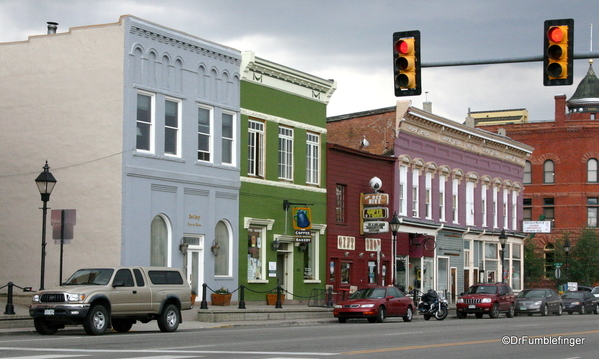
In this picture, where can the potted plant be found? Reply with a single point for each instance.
(221, 297)
(194, 295)
(271, 297)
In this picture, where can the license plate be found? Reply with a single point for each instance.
(523, 308)
(472, 306)
(48, 311)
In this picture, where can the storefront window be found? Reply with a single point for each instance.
(372, 272)
(345, 272)
(427, 273)
(255, 254)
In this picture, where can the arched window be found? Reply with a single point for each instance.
(160, 239)
(527, 173)
(223, 253)
(548, 172)
(592, 170)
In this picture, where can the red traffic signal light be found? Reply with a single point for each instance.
(406, 63)
(558, 58)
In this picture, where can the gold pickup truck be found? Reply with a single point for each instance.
(117, 297)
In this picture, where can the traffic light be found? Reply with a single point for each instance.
(558, 59)
(406, 63)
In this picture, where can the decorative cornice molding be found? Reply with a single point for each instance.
(283, 121)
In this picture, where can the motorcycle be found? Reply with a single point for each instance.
(433, 305)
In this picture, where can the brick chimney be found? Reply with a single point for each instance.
(560, 109)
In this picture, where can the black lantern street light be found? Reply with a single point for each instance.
(394, 224)
(502, 241)
(567, 247)
(45, 183)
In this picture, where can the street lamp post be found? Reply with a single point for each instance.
(567, 247)
(45, 183)
(394, 223)
(502, 241)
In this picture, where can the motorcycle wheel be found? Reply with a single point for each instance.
(441, 313)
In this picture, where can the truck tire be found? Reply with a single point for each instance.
(122, 325)
(169, 319)
(44, 327)
(96, 321)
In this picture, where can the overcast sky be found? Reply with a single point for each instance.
(350, 41)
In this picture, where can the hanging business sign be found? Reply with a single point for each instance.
(375, 227)
(375, 213)
(536, 226)
(302, 224)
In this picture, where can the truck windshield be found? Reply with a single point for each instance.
(97, 276)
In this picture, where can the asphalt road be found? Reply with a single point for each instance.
(568, 336)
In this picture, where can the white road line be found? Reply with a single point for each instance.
(150, 351)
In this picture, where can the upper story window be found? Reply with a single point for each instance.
(256, 148)
(548, 172)
(286, 153)
(340, 193)
(442, 180)
(312, 158)
(592, 171)
(527, 172)
(171, 127)
(416, 192)
(505, 208)
(483, 203)
(549, 210)
(454, 200)
(592, 211)
(469, 203)
(145, 118)
(403, 190)
(428, 182)
(204, 134)
(527, 209)
(228, 138)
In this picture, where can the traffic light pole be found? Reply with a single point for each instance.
(581, 56)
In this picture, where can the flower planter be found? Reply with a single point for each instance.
(221, 299)
(271, 299)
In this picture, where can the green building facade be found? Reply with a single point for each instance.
(282, 204)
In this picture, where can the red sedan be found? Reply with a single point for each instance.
(375, 304)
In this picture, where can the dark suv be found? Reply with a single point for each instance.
(486, 298)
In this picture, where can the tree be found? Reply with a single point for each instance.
(584, 258)
(534, 263)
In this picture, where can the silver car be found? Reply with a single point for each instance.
(538, 300)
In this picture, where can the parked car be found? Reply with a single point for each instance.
(580, 301)
(486, 298)
(375, 304)
(538, 300)
(595, 291)
(585, 288)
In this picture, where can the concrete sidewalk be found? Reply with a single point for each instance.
(254, 314)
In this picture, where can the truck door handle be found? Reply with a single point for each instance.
(134, 292)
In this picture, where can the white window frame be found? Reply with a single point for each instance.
(514, 211)
(312, 158)
(403, 190)
(151, 131)
(285, 153)
(256, 148)
(415, 192)
(428, 179)
(176, 128)
(455, 187)
(210, 150)
(506, 208)
(469, 203)
(229, 140)
(495, 206)
(483, 200)
(442, 181)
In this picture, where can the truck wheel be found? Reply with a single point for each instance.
(44, 327)
(169, 319)
(122, 325)
(97, 320)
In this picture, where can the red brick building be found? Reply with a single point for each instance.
(355, 258)
(561, 177)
